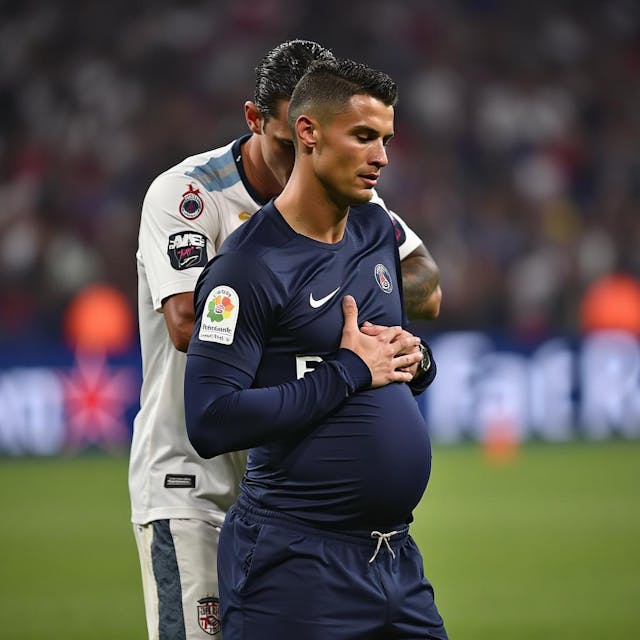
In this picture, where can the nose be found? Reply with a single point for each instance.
(379, 155)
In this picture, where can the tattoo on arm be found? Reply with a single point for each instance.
(420, 279)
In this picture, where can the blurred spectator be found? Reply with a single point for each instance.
(612, 303)
(98, 322)
(517, 154)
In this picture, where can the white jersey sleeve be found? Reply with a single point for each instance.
(408, 240)
(187, 213)
(173, 243)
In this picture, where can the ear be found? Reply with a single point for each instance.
(253, 117)
(307, 131)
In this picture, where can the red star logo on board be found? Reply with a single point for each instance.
(97, 397)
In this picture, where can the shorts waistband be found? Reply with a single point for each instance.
(245, 506)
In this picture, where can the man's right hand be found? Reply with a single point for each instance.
(384, 354)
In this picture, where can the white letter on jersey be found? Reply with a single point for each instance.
(302, 364)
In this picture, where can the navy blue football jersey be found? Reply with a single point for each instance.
(265, 371)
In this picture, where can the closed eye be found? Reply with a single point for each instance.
(371, 136)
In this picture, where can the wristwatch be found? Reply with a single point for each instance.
(425, 364)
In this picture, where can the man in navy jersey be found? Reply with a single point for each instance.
(317, 544)
(178, 500)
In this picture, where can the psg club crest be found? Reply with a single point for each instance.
(208, 615)
(383, 278)
(191, 204)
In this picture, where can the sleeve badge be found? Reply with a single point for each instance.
(191, 205)
(219, 316)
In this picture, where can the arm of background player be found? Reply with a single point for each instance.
(420, 273)
(420, 284)
(164, 234)
(179, 317)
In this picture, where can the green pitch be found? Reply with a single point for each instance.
(546, 546)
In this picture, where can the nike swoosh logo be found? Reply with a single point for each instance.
(318, 303)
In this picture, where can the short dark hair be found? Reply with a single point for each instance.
(281, 68)
(332, 83)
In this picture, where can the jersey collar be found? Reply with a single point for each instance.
(237, 158)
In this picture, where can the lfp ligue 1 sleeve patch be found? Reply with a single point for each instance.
(220, 316)
(191, 205)
(383, 278)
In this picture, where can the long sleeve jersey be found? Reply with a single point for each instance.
(265, 372)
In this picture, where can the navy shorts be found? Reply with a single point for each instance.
(281, 579)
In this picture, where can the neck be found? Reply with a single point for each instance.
(264, 183)
(311, 212)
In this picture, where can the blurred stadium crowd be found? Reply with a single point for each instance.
(516, 156)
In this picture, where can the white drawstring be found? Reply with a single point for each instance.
(382, 537)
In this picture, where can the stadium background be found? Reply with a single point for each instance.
(517, 160)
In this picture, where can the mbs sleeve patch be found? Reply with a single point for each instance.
(187, 249)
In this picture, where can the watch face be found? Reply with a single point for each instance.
(425, 363)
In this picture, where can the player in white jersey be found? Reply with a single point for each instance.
(179, 500)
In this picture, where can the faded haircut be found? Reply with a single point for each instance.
(329, 85)
(281, 68)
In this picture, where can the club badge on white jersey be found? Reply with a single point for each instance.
(191, 205)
